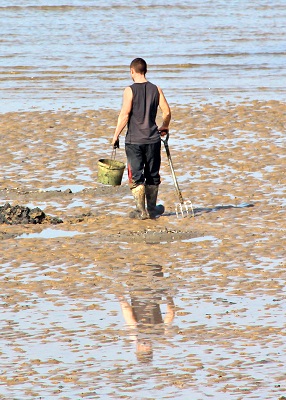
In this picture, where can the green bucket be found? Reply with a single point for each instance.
(110, 172)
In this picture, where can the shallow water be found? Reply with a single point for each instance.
(49, 233)
(75, 54)
(82, 348)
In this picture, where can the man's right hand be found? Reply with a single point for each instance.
(116, 144)
(115, 141)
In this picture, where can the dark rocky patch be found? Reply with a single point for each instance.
(15, 215)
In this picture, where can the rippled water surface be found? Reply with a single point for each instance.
(75, 54)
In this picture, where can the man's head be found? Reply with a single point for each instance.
(144, 350)
(139, 66)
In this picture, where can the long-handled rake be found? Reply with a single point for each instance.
(183, 206)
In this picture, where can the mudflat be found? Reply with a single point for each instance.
(228, 261)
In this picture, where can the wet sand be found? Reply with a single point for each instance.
(225, 266)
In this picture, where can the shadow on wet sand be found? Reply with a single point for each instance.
(204, 210)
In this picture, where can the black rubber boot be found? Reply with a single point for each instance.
(151, 197)
(139, 197)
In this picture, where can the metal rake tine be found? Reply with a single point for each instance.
(183, 207)
(179, 207)
(192, 208)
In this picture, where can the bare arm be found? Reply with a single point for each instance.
(124, 113)
(127, 312)
(164, 106)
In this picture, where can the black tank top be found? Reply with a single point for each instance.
(142, 128)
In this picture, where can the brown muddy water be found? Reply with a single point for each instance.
(105, 307)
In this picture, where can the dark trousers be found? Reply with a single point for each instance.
(143, 161)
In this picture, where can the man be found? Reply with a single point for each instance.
(143, 138)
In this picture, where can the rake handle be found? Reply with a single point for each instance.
(165, 141)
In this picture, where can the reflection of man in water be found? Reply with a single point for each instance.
(144, 316)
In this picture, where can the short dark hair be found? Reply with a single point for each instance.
(139, 65)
